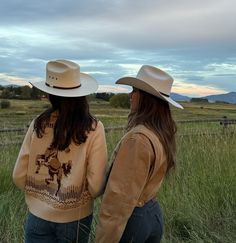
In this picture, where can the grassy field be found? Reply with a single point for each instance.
(198, 198)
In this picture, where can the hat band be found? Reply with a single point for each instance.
(164, 94)
(58, 87)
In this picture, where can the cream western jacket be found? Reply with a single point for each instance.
(139, 166)
(60, 186)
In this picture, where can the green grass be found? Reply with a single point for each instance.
(198, 198)
(12, 205)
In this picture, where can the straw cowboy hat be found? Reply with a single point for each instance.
(63, 78)
(153, 81)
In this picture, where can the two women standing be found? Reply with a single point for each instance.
(61, 164)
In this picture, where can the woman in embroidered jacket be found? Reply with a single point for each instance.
(129, 210)
(61, 164)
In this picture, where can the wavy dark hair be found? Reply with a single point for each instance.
(73, 122)
(155, 114)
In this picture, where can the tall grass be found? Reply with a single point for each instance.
(12, 205)
(198, 198)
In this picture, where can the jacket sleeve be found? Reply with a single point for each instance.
(127, 179)
(20, 169)
(97, 160)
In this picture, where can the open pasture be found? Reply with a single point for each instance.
(198, 198)
(196, 118)
(22, 112)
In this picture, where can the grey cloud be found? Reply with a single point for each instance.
(181, 36)
(172, 25)
(132, 24)
(27, 11)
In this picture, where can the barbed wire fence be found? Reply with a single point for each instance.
(14, 136)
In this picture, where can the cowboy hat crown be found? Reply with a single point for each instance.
(63, 78)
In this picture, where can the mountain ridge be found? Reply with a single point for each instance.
(227, 97)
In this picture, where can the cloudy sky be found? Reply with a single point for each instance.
(194, 41)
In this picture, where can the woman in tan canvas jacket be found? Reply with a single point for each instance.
(129, 210)
(61, 164)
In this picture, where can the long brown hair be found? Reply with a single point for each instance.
(73, 122)
(155, 114)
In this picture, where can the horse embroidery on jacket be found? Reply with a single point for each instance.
(55, 167)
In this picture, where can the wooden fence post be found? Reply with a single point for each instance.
(224, 124)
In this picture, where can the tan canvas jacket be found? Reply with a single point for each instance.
(60, 186)
(139, 166)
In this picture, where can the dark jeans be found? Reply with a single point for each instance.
(38, 230)
(145, 224)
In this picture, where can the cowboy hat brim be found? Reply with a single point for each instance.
(142, 85)
(88, 86)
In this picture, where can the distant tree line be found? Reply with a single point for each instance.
(116, 100)
(204, 100)
(20, 92)
(199, 100)
(29, 93)
(104, 96)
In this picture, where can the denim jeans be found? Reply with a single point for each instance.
(145, 225)
(38, 230)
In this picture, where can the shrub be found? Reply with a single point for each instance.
(120, 100)
(199, 100)
(5, 104)
(104, 96)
